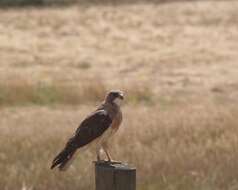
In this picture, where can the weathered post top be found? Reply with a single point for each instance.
(114, 176)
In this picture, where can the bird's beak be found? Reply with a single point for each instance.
(121, 96)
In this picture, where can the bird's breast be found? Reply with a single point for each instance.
(106, 135)
(116, 121)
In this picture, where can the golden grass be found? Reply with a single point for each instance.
(24, 93)
(18, 93)
(177, 64)
(189, 147)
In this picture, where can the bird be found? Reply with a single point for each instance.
(98, 127)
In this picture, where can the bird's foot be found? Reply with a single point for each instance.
(113, 161)
(108, 162)
(101, 161)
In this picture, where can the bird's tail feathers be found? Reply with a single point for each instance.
(63, 158)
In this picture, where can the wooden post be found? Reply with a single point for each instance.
(114, 176)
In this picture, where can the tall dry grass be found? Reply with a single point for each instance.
(188, 147)
(22, 92)
(177, 64)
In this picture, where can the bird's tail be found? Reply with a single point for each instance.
(64, 157)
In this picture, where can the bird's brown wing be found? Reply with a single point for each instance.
(91, 128)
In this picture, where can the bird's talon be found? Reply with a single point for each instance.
(101, 161)
(113, 162)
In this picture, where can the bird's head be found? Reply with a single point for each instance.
(114, 96)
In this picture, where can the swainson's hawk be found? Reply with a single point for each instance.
(99, 126)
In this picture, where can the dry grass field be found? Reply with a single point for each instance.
(177, 62)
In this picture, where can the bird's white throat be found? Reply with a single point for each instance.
(118, 101)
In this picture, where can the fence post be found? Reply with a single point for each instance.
(114, 176)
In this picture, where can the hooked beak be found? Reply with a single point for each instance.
(121, 96)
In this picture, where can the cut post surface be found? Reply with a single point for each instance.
(114, 176)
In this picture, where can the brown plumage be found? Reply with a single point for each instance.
(98, 126)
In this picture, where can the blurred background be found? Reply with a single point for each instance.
(175, 60)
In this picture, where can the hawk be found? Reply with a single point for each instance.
(98, 127)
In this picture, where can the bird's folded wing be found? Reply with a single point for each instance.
(91, 128)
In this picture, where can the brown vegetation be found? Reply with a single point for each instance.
(23, 93)
(189, 147)
(177, 64)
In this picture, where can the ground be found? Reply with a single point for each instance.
(176, 62)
